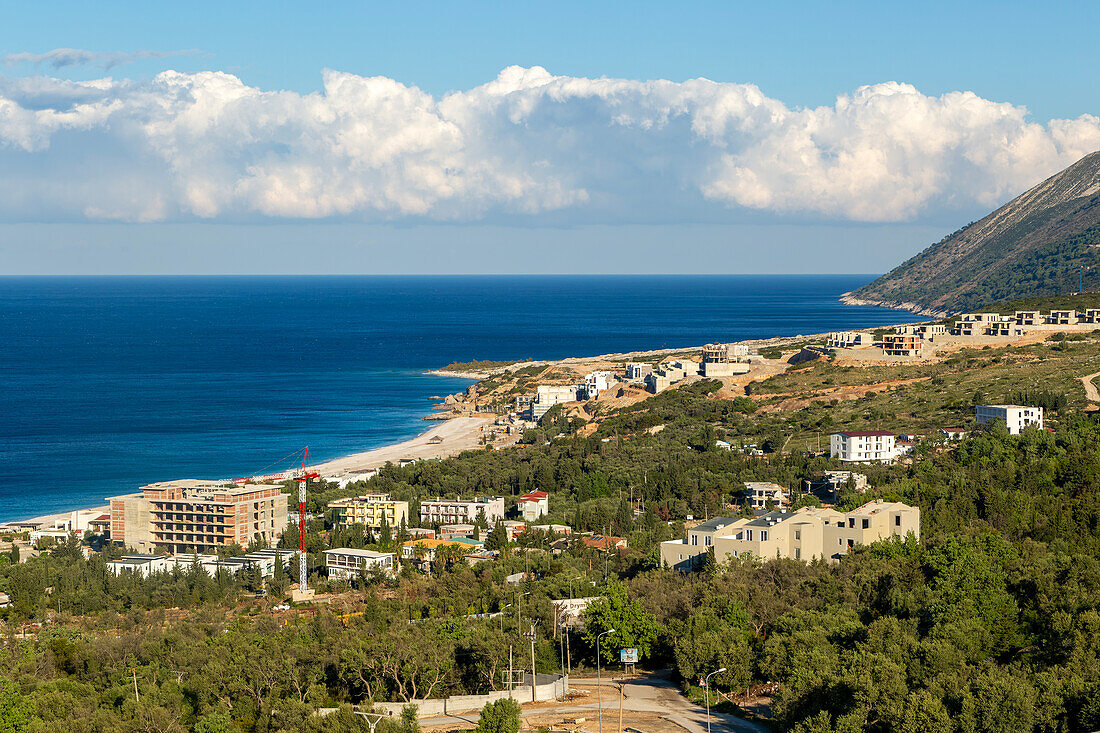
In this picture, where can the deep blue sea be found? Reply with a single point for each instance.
(110, 383)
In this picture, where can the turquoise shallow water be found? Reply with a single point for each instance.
(109, 383)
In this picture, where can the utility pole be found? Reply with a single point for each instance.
(622, 694)
(531, 637)
(509, 671)
(599, 679)
(371, 718)
(561, 651)
(137, 695)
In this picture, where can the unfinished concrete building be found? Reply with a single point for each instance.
(192, 515)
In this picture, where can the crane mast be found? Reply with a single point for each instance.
(302, 521)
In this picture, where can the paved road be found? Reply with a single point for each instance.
(647, 694)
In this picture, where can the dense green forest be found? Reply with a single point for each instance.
(990, 623)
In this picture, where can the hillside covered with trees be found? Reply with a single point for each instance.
(990, 623)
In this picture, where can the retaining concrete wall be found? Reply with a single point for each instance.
(465, 703)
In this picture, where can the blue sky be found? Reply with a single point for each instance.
(561, 170)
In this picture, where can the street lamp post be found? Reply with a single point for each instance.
(502, 617)
(706, 691)
(599, 687)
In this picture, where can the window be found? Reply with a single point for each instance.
(851, 543)
(866, 523)
(695, 539)
(798, 553)
(897, 520)
(763, 535)
(798, 534)
(748, 535)
(706, 540)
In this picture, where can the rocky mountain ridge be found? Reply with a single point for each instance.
(1043, 242)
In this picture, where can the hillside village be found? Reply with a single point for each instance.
(634, 480)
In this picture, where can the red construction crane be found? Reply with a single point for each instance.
(301, 476)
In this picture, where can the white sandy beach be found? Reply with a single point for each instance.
(458, 434)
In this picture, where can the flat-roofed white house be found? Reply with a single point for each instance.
(863, 446)
(347, 563)
(850, 340)
(762, 492)
(1016, 417)
(143, 565)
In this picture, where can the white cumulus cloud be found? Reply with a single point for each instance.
(527, 144)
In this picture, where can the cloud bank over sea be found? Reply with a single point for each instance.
(526, 145)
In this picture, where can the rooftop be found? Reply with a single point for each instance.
(371, 554)
(713, 524)
(863, 433)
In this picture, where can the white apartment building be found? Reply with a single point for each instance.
(863, 445)
(547, 396)
(807, 534)
(1016, 417)
(459, 511)
(346, 563)
(637, 371)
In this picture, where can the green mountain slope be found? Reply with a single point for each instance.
(1031, 246)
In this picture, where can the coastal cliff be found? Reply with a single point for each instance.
(1041, 243)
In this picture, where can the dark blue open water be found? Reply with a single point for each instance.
(110, 383)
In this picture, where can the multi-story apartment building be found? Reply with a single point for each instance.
(863, 445)
(687, 554)
(807, 534)
(459, 511)
(534, 505)
(1016, 417)
(546, 396)
(370, 511)
(191, 515)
